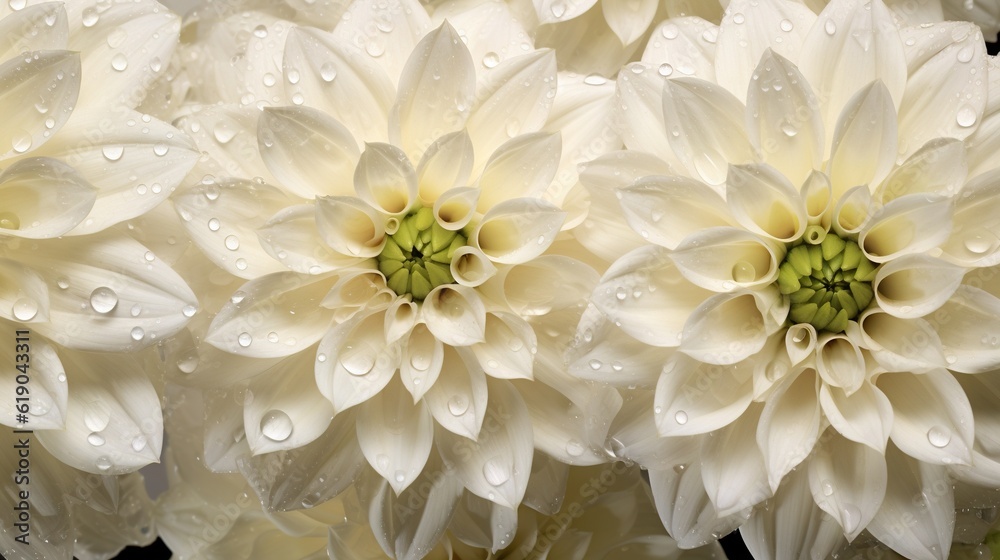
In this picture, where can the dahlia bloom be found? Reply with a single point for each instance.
(807, 280)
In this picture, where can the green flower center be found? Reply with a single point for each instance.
(827, 281)
(417, 257)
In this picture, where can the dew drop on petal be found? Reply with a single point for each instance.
(681, 417)
(621, 293)
(495, 471)
(420, 361)
(103, 300)
(739, 18)
(25, 309)
(103, 463)
(830, 27)
(223, 133)
(138, 443)
(232, 242)
(458, 405)
(939, 436)
(574, 448)
(20, 141)
(491, 59)
(113, 153)
(965, 54)
(95, 439)
(272, 336)
(827, 487)
(966, 117)
(96, 416)
(666, 69)
(400, 476)
(327, 72)
(138, 334)
(595, 364)
(558, 10)
(358, 361)
(244, 339)
(595, 80)
(744, 272)
(189, 310)
(276, 425)
(786, 25)
(119, 62)
(213, 224)
(851, 517)
(160, 149)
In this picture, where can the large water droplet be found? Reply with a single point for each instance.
(20, 141)
(458, 405)
(491, 59)
(276, 425)
(137, 333)
(980, 241)
(359, 359)
(327, 72)
(223, 133)
(119, 62)
(966, 116)
(9, 220)
(420, 361)
(232, 242)
(95, 439)
(103, 463)
(558, 10)
(851, 517)
(113, 153)
(244, 339)
(595, 80)
(25, 309)
(744, 272)
(574, 448)
(681, 417)
(786, 25)
(103, 300)
(495, 471)
(138, 443)
(96, 416)
(939, 436)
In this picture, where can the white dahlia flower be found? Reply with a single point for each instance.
(809, 277)
(76, 293)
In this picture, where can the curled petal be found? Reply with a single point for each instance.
(470, 267)
(455, 314)
(864, 416)
(723, 259)
(789, 425)
(695, 398)
(43, 198)
(518, 230)
(915, 285)
(665, 210)
(423, 358)
(458, 397)
(354, 362)
(538, 287)
(852, 211)
(356, 289)
(840, 363)
(762, 200)
(800, 342)
(455, 208)
(396, 435)
(400, 317)
(901, 344)
(909, 224)
(728, 328)
(350, 226)
(848, 481)
(385, 179)
(817, 196)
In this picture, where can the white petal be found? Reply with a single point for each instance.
(506, 107)
(518, 230)
(605, 353)
(497, 464)
(848, 481)
(783, 118)
(695, 398)
(276, 316)
(522, 167)
(446, 164)
(817, 195)
(386, 32)
(685, 509)
(633, 436)
(493, 30)
(748, 29)
(308, 151)
(658, 316)
(46, 404)
(396, 435)
(455, 208)
(706, 128)
(726, 328)
(938, 167)
(864, 416)
(901, 344)
(945, 91)
(482, 523)
(538, 287)
(557, 429)
(151, 302)
(932, 416)
(629, 20)
(908, 224)
(385, 179)
(975, 234)
(329, 72)
(789, 425)
(733, 467)
(228, 136)
(509, 347)
(458, 398)
(222, 220)
(45, 197)
(283, 410)
(840, 363)
(550, 11)
(455, 314)
(224, 436)
(42, 27)
(470, 267)
(436, 90)
(679, 47)
(109, 405)
(358, 363)
(864, 142)
(968, 327)
(639, 111)
(547, 485)
(665, 210)
(762, 200)
(850, 46)
(350, 226)
(915, 285)
(292, 238)
(22, 79)
(852, 212)
(917, 517)
(422, 361)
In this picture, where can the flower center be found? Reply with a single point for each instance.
(827, 281)
(417, 257)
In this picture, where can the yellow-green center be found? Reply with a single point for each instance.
(827, 281)
(417, 257)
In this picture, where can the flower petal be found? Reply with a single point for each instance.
(639, 110)
(969, 330)
(915, 285)
(292, 238)
(665, 210)
(864, 142)
(864, 416)
(840, 363)
(358, 363)
(848, 481)
(555, 422)
(975, 233)
(497, 464)
(629, 20)
(227, 134)
(938, 167)
(541, 286)
(385, 179)
(695, 398)
(48, 397)
(783, 118)
(44, 197)
(680, 45)
(917, 517)
(446, 164)
(458, 398)
(726, 328)
(522, 167)
(733, 467)
(685, 509)
(308, 151)
(901, 344)
(396, 435)
(423, 359)
(549, 11)
(605, 353)
(436, 90)
(350, 226)
(282, 409)
(789, 425)
(932, 418)
(763, 201)
(509, 347)
(42, 27)
(455, 314)
(518, 230)
(31, 79)
(908, 224)
(386, 32)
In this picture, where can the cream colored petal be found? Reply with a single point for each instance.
(458, 397)
(762, 200)
(665, 210)
(817, 196)
(470, 267)
(387, 33)
(494, 30)
(932, 418)
(517, 230)
(228, 136)
(639, 110)
(685, 508)
(45, 381)
(350, 226)
(864, 416)
(222, 219)
(749, 28)
(848, 481)
(455, 314)
(356, 362)
(550, 11)
(910, 224)
(359, 288)
(423, 358)
(706, 128)
(917, 517)
(42, 27)
(969, 330)
(328, 71)
(915, 285)
(938, 167)
(506, 107)
(901, 344)
(446, 164)
(522, 167)
(455, 208)
(497, 464)
(541, 286)
(113, 420)
(633, 436)
(864, 142)
(658, 315)
(772, 365)
(35, 79)
(852, 212)
(850, 46)
(24, 296)
(224, 435)
(556, 427)
(789, 425)
(482, 523)
(307, 150)
(277, 315)
(292, 238)
(727, 328)
(607, 354)
(629, 20)
(436, 91)
(783, 118)
(681, 47)
(945, 91)
(396, 435)
(282, 409)
(724, 259)
(508, 350)
(695, 398)
(840, 363)
(975, 234)
(800, 343)
(385, 179)
(733, 467)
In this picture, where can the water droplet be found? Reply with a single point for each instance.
(621, 293)
(966, 116)
(327, 72)
(681, 417)
(96, 416)
(189, 310)
(965, 54)
(297, 98)
(90, 16)
(420, 361)
(9, 220)
(830, 27)
(25, 309)
(103, 463)
(238, 297)
(827, 487)
(189, 363)
(491, 59)
(244, 339)
(851, 517)
(137, 333)
(739, 19)
(103, 300)
(786, 25)
(21, 141)
(979, 241)
(574, 448)
(666, 69)
(375, 48)
(670, 31)
(223, 133)
(276, 425)
(155, 64)
(617, 366)
(495, 471)
(113, 153)
(213, 224)
(595, 80)
(232, 242)
(595, 364)
(458, 405)
(400, 476)
(138, 443)
(558, 10)
(17, 4)
(744, 272)
(939, 436)
(787, 128)
(95, 439)
(160, 149)
(119, 62)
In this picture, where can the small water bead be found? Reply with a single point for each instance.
(786, 25)
(420, 361)
(138, 443)
(238, 297)
(113, 153)
(25, 309)
(119, 62)
(223, 133)
(851, 516)
(232, 242)
(617, 366)
(103, 463)
(321, 358)
(666, 69)
(621, 293)
(658, 410)
(189, 310)
(137, 334)
(400, 476)
(739, 19)
(276, 425)
(298, 99)
(95, 439)
(272, 336)
(17, 4)
(375, 48)
(62, 378)
(595, 364)
(574, 448)
(458, 405)
(188, 364)
(241, 264)
(681, 417)
(744, 272)
(939, 436)
(213, 224)
(495, 471)
(670, 31)
(491, 60)
(358, 362)
(827, 487)
(966, 117)
(595, 80)
(979, 241)
(136, 310)
(103, 300)
(90, 17)
(558, 10)
(965, 54)
(244, 339)
(327, 72)
(160, 149)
